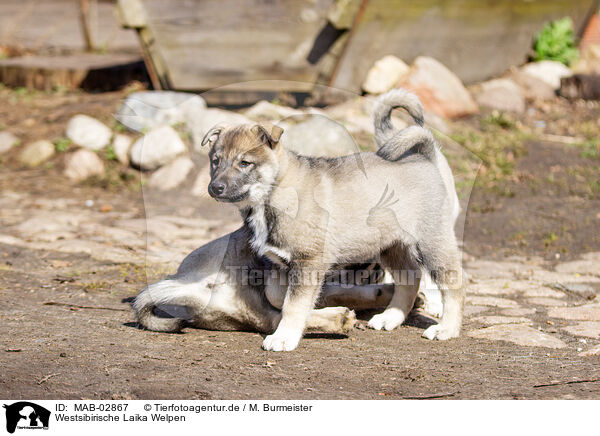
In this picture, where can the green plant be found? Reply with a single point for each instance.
(556, 42)
(61, 144)
(109, 153)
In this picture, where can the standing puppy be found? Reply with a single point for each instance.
(308, 214)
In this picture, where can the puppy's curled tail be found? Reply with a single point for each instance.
(163, 292)
(394, 143)
(386, 103)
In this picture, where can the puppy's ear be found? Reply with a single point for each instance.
(211, 136)
(270, 139)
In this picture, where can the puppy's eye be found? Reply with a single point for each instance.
(245, 164)
(215, 160)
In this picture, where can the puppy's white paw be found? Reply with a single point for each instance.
(440, 332)
(389, 319)
(282, 341)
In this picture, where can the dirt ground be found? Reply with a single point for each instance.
(68, 331)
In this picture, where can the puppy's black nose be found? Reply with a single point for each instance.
(216, 188)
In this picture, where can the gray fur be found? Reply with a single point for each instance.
(403, 215)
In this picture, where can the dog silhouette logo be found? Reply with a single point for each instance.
(26, 415)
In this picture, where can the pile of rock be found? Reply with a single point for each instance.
(170, 125)
(443, 93)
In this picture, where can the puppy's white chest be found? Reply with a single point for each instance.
(260, 235)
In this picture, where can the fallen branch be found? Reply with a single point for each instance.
(430, 397)
(572, 382)
(55, 303)
(562, 139)
(48, 377)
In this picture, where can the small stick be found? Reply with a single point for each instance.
(55, 303)
(48, 377)
(572, 382)
(428, 397)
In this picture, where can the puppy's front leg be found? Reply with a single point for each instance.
(300, 298)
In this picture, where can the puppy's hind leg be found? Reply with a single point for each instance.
(445, 269)
(405, 291)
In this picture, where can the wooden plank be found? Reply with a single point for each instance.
(91, 71)
(476, 39)
(205, 44)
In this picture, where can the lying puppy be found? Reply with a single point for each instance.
(224, 285)
(308, 214)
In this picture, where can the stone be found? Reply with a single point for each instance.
(492, 287)
(470, 310)
(172, 175)
(494, 320)
(88, 132)
(580, 289)
(319, 136)
(156, 148)
(146, 110)
(439, 89)
(595, 351)
(200, 188)
(491, 301)
(121, 145)
(532, 87)
(588, 329)
(519, 334)
(7, 141)
(264, 110)
(36, 153)
(589, 264)
(492, 269)
(385, 74)
(501, 94)
(588, 312)
(518, 311)
(82, 165)
(199, 125)
(542, 291)
(549, 72)
(545, 301)
(589, 60)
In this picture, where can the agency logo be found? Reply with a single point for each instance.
(26, 415)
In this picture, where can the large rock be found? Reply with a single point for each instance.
(264, 110)
(589, 60)
(491, 301)
(200, 188)
(588, 312)
(594, 351)
(36, 153)
(198, 126)
(501, 94)
(172, 175)
(519, 334)
(121, 145)
(149, 109)
(83, 164)
(549, 72)
(7, 141)
(156, 148)
(384, 75)
(532, 87)
(590, 263)
(589, 329)
(319, 136)
(88, 132)
(439, 89)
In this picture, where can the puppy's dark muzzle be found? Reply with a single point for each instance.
(216, 189)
